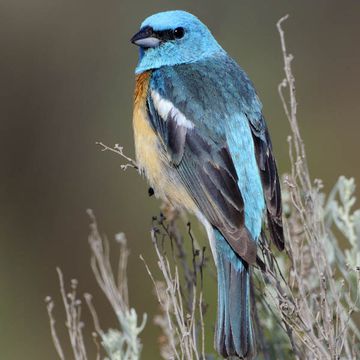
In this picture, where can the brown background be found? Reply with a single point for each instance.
(66, 70)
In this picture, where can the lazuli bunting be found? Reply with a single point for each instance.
(202, 142)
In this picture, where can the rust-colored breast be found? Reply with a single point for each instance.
(141, 87)
(146, 142)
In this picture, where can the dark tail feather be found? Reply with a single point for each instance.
(234, 331)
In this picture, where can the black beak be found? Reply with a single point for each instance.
(146, 38)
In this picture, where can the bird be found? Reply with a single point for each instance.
(202, 142)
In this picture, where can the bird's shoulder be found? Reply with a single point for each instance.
(213, 89)
(212, 97)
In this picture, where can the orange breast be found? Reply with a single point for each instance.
(146, 142)
(151, 155)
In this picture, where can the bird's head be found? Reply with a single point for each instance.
(171, 38)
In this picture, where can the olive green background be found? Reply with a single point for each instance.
(66, 71)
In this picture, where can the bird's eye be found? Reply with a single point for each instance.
(179, 33)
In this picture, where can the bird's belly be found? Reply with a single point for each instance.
(151, 156)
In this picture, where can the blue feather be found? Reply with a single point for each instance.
(170, 20)
(234, 330)
(241, 145)
(197, 43)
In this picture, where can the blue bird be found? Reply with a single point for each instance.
(203, 144)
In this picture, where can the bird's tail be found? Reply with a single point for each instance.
(234, 332)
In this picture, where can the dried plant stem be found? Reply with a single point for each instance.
(117, 149)
(121, 344)
(73, 323)
(50, 306)
(180, 323)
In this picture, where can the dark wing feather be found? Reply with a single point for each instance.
(172, 135)
(211, 179)
(270, 180)
(207, 171)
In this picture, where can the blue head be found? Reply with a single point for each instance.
(171, 38)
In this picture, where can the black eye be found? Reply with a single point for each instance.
(179, 33)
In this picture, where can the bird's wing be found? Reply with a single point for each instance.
(270, 181)
(206, 170)
(191, 107)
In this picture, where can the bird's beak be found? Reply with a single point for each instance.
(146, 38)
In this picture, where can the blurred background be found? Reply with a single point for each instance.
(66, 70)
